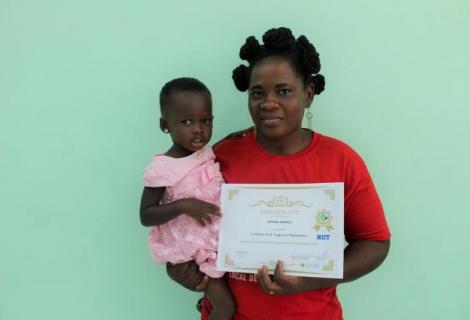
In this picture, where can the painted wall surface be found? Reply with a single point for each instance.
(78, 122)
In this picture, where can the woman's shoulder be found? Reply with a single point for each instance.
(336, 145)
(234, 142)
(334, 150)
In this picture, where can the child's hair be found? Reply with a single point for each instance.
(280, 42)
(178, 85)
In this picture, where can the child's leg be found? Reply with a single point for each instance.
(223, 305)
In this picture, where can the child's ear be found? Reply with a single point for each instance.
(164, 125)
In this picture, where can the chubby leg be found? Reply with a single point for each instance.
(223, 305)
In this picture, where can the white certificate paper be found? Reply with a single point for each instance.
(300, 224)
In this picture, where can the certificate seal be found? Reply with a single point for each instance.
(324, 218)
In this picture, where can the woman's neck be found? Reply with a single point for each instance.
(289, 144)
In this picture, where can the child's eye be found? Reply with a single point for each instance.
(207, 121)
(186, 122)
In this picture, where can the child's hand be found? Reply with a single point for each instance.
(199, 210)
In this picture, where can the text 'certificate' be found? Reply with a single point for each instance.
(300, 224)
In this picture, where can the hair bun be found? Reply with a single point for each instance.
(279, 39)
(318, 83)
(240, 77)
(308, 55)
(250, 49)
(280, 42)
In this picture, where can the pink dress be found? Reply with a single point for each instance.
(183, 238)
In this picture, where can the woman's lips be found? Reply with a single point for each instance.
(270, 121)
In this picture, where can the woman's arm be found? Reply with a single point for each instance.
(154, 214)
(360, 258)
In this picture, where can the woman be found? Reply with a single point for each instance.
(282, 79)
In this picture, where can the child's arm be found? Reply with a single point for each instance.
(154, 214)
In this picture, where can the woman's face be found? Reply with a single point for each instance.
(277, 98)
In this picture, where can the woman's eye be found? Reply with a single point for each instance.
(256, 94)
(284, 92)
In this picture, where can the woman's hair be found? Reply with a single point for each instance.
(178, 85)
(280, 42)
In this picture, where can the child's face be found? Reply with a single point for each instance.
(189, 121)
(277, 98)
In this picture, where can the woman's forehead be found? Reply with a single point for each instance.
(276, 70)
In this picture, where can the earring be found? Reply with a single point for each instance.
(309, 117)
(166, 130)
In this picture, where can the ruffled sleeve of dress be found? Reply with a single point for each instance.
(162, 172)
(166, 171)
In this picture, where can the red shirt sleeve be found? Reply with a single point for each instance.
(364, 217)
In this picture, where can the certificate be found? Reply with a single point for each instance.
(300, 224)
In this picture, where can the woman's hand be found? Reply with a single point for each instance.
(188, 275)
(199, 210)
(281, 283)
(360, 258)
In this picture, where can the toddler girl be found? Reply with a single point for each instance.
(182, 189)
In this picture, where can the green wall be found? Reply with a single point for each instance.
(78, 122)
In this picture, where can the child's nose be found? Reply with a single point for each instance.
(197, 127)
